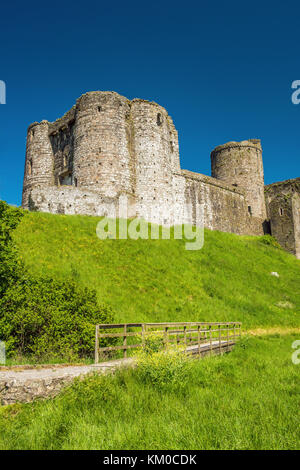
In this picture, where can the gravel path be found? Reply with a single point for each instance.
(24, 384)
(57, 371)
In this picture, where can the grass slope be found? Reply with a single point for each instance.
(247, 399)
(158, 280)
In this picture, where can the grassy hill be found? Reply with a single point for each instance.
(250, 393)
(158, 280)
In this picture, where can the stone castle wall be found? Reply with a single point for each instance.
(283, 206)
(107, 146)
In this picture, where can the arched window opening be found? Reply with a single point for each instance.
(159, 119)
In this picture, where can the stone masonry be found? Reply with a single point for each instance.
(107, 148)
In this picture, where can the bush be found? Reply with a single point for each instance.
(153, 342)
(11, 267)
(270, 241)
(162, 368)
(44, 317)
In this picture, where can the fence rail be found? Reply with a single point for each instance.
(196, 338)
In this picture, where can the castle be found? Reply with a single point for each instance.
(107, 147)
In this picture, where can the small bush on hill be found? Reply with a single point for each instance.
(42, 317)
(270, 241)
(11, 267)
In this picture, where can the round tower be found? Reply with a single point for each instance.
(103, 159)
(157, 157)
(240, 164)
(38, 171)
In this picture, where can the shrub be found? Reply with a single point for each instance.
(153, 342)
(270, 241)
(92, 390)
(162, 368)
(11, 267)
(44, 317)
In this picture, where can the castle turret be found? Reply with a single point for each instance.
(39, 160)
(240, 164)
(103, 159)
(157, 157)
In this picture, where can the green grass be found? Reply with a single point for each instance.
(248, 399)
(158, 280)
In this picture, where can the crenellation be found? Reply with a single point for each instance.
(107, 146)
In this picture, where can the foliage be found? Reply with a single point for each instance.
(11, 267)
(270, 241)
(162, 365)
(40, 316)
(247, 399)
(47, 317)
(153, 342)
(164, 369)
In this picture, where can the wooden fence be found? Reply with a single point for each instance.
(195, 338)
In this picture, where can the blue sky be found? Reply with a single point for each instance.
(223, 70)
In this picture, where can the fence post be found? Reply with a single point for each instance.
(97, 345)
(125, 340)
(210, 340)
(199, 339)
(219, 339)
(184, 331)
(166, 337)
(143, 335)
(227, 336)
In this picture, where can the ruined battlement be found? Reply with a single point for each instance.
(107, 146)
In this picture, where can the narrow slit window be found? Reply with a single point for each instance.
(250, 210)
(30, 167)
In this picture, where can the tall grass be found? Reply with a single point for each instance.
(158, 280)
(248, 399)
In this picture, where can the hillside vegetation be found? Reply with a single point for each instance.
(158, 280)
(41, 316)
